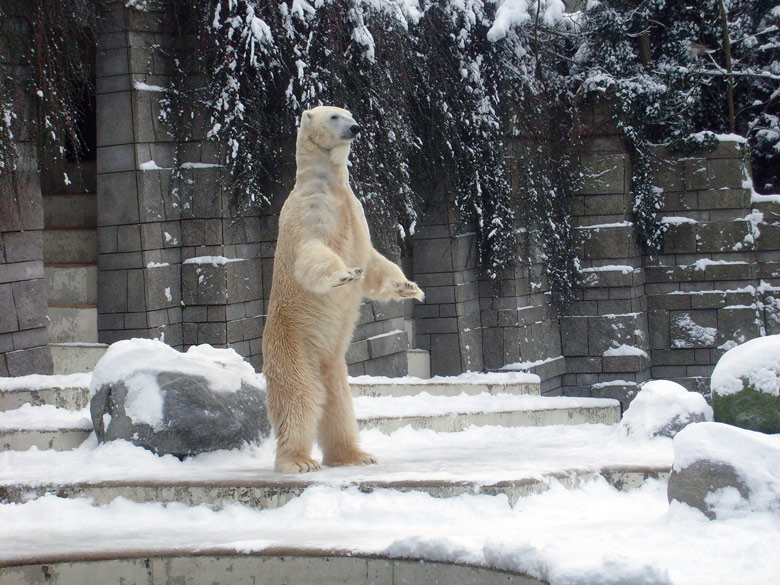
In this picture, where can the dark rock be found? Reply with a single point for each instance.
(200, 402)
(696, 482)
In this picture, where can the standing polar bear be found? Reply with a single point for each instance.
(323, 267)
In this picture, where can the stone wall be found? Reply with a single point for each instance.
(715, 283)
(23, 335)
(175, 261)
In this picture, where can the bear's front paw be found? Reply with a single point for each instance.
(408, 290)
(343, 277)
(297, 465)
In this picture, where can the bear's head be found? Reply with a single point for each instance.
(330, 129)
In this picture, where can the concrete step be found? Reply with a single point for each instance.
(71, 390)
(444, 386)
(72, 323)
(47, 427)
(43, 427)
(71, 284)
(67, 392)
(70, 210)
(76, 357)
(227, 567)
(70, 245)
(275, 490)
(456, 413)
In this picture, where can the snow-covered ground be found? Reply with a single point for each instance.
(590, 534)
(595, 534)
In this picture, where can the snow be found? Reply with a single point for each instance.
(702, 263)
(476, 456)
(592, 533)
(625, 350)
(527, 365)
(199, 165)
(677, 220)
(42, 382)
(151, 166)
(213, 260)
(141, 86)
(701, 136)
(425, 404)
(659, 403)
(465, 378)
(595, 534)
(617, 224)
(44, 418)
(756, 361)
(695, 335)
(622, 268)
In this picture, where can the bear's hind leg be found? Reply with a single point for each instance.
(338, 432)
(295, 410)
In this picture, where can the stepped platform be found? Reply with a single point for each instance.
(478, 440)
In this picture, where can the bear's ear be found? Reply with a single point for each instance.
(306, 117)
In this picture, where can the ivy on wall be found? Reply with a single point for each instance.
(472, 101)
(47, 48)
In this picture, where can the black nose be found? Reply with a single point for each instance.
(354, 129)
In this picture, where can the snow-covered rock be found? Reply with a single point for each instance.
(664, 408)
(146, 392)
(725, 471)
(745, 385)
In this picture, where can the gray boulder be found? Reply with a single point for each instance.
(725, 471)
(176, 403)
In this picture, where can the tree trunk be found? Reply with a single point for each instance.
(724, 24)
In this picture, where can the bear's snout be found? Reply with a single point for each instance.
(354, 130)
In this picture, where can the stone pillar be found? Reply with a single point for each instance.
(174, 261)
(604, 335)
(445, 266)
(716, 282)
(23, 335)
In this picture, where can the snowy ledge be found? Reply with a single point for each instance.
(467, 378)
(42, 382)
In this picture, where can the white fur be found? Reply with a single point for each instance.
(323, 267)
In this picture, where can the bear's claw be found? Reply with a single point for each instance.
(342, 278)
(359, 458)
(297, 466)
(409, 289)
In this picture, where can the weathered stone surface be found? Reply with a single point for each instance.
(694, 484)
(181, 411)
(725, 471)
(746, 385)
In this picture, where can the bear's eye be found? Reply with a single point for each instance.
(334, 117)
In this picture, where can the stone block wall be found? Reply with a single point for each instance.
(448, 323)
(175, 260)
(715, 283)
(24, 338)
(23, 312)
(604, 334)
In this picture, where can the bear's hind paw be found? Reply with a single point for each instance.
(357, 459)
(303, 465)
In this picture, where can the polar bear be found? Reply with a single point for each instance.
(323, 267)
